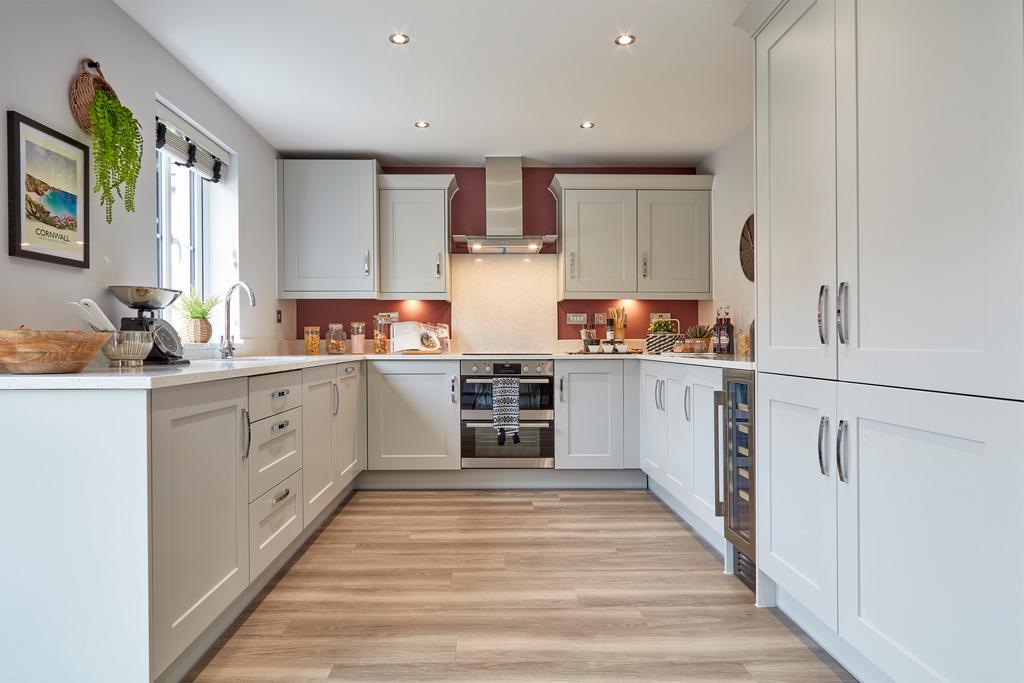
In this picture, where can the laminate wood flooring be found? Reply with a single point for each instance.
(510, 586)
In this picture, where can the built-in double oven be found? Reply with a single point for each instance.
(480, 443)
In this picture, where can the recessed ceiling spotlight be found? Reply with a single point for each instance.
(399, 38)
(624, 39)
(422, 124)
(587, 125)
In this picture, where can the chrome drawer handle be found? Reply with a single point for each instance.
(349, 369)
(822, 438)
(522, 425)
(284, 494)
(279, 426)
(823, 314)
(283, 393)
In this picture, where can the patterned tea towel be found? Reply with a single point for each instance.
(505, 408)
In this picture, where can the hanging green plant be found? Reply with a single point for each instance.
(116, 150)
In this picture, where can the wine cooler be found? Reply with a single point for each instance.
(734, 467)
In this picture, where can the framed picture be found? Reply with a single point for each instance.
(47, 194)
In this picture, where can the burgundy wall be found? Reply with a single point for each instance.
(469, 218)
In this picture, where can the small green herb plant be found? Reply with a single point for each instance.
(195, 307)
(698, 332)
(661, 325)
(116, 151)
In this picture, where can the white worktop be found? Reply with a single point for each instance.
(158, 376)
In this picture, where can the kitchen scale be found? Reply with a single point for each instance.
(167, 346)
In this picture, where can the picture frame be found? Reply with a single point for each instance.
(47, 194)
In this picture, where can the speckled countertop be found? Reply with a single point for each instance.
(156, 377)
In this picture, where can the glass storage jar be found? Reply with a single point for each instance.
(312, 336)
(358, 337)
(336, 340)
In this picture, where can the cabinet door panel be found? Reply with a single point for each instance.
(347, 462)
(319, 405)
(796, 511)
(600, 240)
(421, 397)
(677, 475)
(674, 241)
(931, 221)
(703, 383)
(796, 195)
(413, 241)
(328, 213)
(200, 510)
(929, 530)
(655, 426)
(588, 415)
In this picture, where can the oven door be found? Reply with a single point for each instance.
(480, 449)
(536, 398)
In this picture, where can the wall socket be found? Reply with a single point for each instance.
(600, 319)
(660, 316)
(575, 318)
(389, 316)
(279, 316)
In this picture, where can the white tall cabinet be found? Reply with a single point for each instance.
(890, 161)
(327, 228)
(414, 217)
(320, 433)
(588, 414)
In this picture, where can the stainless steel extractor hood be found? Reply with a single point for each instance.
(504, 229)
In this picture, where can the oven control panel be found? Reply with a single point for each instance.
(508, 368)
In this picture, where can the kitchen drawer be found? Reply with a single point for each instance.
(275, 451)
(275, 520)
(273, 394)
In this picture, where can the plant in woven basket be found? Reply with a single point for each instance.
(116, 149)
(698, 332)
(197, 312)
(660, 326)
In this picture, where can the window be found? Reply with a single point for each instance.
(182, 214)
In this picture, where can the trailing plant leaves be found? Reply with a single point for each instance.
(116, 150)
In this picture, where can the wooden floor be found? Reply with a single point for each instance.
(511, 586)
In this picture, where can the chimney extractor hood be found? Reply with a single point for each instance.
(504, 229)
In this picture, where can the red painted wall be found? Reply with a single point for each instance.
(469, 218)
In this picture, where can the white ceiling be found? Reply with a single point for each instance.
(491, 76)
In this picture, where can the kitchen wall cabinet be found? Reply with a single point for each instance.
(634, 236)
(588, 414)
(327, 228)
(349, 452)
(200, 501)
(422, 399)
(849, 161)
(414, 218)
(320, 407)
(674, 241)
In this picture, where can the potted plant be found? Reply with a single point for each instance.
(196, 310)
(699, 336)
(662, 335)
(116, 151)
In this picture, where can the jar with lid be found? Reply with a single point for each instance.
(337, 342)
(380, 334)
(358, 337)
(312, 336)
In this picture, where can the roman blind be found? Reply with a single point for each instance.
(188, 146)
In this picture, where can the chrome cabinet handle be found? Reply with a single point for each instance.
(522, 380)
(840, 441)
(561, 389)
(337, 398)
(350, 369)
(686, 403)
(437, 269)
(844, 287)
(657, 393)
(823, 314)
(661, 393)
(366, 262)
(720, 398)
(283, 393)
(644, 262)
(822, 438)
(248, 433)
(279, 426)
(454, 395)
(572, 264)
(279, 498)
(522, 425)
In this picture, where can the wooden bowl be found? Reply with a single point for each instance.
(36, 352)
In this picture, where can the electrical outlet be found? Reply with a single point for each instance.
(660, 316)
(575, 318)
(389, 316)
(600, 319)
(279, 316)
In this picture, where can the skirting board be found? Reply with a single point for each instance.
(713, 538)
(378, 480)
(191, 656)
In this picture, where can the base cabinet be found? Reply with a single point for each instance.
(319, 412)
(348, 452)
(275, 520)
(897, 537)
(200, 504)
(588, 414)
(413, 415)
